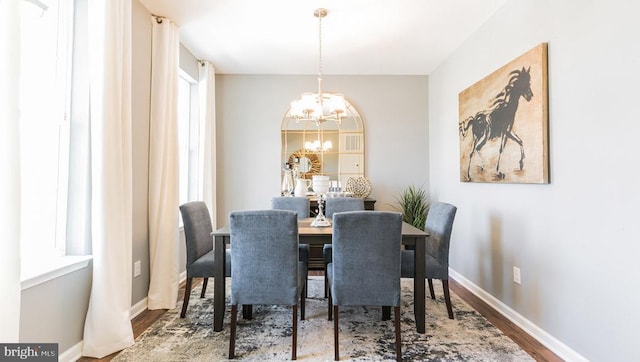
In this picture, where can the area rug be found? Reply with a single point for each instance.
(363, 335)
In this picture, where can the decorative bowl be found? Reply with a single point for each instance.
(358, 186)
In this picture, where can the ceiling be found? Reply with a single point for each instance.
(369, 37)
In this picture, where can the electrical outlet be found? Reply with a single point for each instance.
(516, 275)
(136, 268)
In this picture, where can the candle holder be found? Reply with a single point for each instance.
(321, 220)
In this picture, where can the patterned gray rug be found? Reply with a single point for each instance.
(363, 336)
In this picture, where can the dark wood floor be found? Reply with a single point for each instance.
(525, 341)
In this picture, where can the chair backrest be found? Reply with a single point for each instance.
(366, 258)
(439, 225)
(197, 230)
(293, 203)
(264, 257)
(340, 204)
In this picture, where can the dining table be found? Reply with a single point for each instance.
(307, 234)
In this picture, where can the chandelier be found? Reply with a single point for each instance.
(316, 146)
(319, 107)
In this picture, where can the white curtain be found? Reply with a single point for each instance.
(9, 170)
(108, 324)
(164, 171)
(207, 92)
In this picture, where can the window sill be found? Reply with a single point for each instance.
(39, 270)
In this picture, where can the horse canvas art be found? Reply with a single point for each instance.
(503, 123)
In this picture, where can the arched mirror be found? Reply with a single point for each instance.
(331, 148)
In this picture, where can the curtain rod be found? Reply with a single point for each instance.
(159, 18)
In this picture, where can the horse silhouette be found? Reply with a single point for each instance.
(498, 120)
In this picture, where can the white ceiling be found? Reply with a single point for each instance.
(358, 36)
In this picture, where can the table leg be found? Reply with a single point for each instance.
(418, 285)
(219, 283)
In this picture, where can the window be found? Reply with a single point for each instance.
(46, 30)
(189, 139)
(44, 128)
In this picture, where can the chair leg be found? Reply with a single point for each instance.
(386, 313)
(447, 297)
(336, 344)
(204, 287)
(433, 295)
(326, 281)
(398, 337)
(294, 335)
(232, 332)
(303, 303)
(330, 307)
(187, 292)
(247, 311)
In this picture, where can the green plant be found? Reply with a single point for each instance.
(415, 205)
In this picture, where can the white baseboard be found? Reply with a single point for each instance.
(72, 354)
(141, 306)
(562, 350)
(138, 308)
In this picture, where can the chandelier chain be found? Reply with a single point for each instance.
(320, 47)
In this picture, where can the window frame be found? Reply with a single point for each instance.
(194, 168)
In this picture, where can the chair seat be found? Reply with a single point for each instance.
(433, 268)
(303, 253)
(302, 275)
(203, 266)
(327, 251)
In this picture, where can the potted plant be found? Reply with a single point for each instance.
(414, 204)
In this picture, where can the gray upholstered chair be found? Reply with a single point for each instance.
(265, 266)
(338, 204)
(379, 285)
(299, 205)
(293, 203)
(439, 225)
(199, 248)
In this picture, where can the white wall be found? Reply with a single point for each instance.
(576, 240)
(249, 111)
